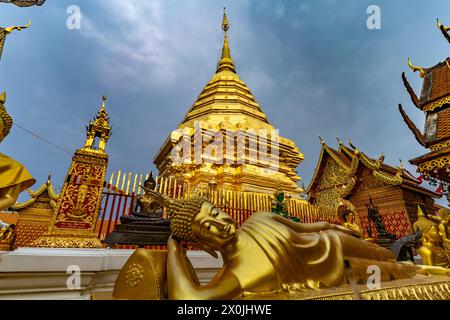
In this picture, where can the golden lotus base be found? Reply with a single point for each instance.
(418, 288)
(67, 241)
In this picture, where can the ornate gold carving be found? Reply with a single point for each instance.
(38, 196)
(73, 222)
(371, 164)
(436, 104)
(387, 178)
(64, 241)
(440, 146)
(434, 291)
(333, 178)
(135, 274)
(439, 163)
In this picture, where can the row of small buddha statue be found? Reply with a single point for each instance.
(435, 243)
(7, 236)
(435, 233)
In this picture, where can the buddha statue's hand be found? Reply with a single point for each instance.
(344, 229)
(173, 245)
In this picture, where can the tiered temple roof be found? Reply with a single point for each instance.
(347, 178)
(434, 101)
(44, 196)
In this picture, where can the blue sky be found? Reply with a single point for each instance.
(314, 67)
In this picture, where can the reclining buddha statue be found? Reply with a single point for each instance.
(268, 253)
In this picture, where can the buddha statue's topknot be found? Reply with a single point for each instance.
(182, 212)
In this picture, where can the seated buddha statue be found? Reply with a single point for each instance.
(145, 225)
(350, 223)
(268, 253)
(14, 177)
(145, 204)
(8, 237)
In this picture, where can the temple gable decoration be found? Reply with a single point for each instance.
(348, 177)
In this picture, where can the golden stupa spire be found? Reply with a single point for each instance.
(226, 62)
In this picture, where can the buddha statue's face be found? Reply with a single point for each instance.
(214, 227)
(351, 217)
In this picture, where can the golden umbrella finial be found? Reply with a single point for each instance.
(415, 68)
(225, 24)
(226, 62)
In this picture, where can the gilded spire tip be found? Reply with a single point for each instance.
(226, 62)
(225, 24)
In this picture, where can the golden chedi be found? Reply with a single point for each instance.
(14, 177)
(226, 137)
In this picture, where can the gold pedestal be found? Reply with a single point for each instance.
(143, 277)
(418, 288)
(67, 241)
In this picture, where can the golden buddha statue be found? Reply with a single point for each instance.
(350, 223)
(14, 177)
(431, 252)
(146, 205)
(423, 224)
(7, 237)
(269, 253)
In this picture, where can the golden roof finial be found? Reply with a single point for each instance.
(103, 103)
(415, 68)
(18, 28)
(226, 62)
(439, 25)
(321, 140)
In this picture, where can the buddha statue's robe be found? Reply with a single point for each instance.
(352, 226)
(14, 173)
(309, 255)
